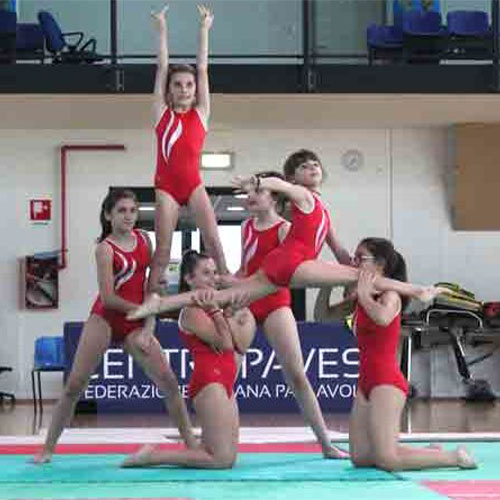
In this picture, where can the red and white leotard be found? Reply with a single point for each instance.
(257, 244)
(180, 138)
(378, 346)
(210, 367)
(303, 242)
(129, 273)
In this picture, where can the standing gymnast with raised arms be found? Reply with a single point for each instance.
(181, 110)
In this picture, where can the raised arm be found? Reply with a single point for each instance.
(203, 89)
(340, 252)
(299, 195)
(104, 259)
(160, 22)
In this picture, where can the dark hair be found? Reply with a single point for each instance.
(279, 198)
(178, 68)
(190, 259)
(298, 158)
(108, 204)
(394, 264)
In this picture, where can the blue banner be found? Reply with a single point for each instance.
(330, 357)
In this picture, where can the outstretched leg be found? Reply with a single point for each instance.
(319, 273)
(281, 331)
(95, 339)
(251, 289)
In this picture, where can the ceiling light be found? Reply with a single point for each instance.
(217, 161)
(235, 208)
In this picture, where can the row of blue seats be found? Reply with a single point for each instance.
(467, 34)
(34, 41)
(25, 40)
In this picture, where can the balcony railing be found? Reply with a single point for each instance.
(256, 46)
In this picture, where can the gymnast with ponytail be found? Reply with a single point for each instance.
(382, 389)
(123, 255)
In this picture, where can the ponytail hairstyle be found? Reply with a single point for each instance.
(190, 260)
(279, 198)
(112, 198)
(296, 159)
(394, 265)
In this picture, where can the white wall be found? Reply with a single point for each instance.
(400, 192)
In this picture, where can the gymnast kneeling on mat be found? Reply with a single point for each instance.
(382, 389)
(216, 339)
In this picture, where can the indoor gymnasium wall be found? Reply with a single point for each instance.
(399, 191)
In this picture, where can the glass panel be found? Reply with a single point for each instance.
(92, 17)
(340, 27)
(241, 27)
(443, 6)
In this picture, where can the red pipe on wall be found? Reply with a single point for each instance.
(65, 149)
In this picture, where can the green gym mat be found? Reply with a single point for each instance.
(231, 490)
(262, 476)
(97, 468)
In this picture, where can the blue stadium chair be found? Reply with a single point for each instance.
(59, 46)
(29, 42)
(384, 42)
(424, 37)
(48, 357)
(470, 35)
(8, 21)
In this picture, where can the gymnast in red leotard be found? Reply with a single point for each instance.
(181, 109)
(263, 232)
(294, 263)
(382, 389)
(214, 339)
(123, 255)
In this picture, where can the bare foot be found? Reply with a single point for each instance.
(465, 460)
(140, 458)
(334, 452)
(43, 457)
(149, 307)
